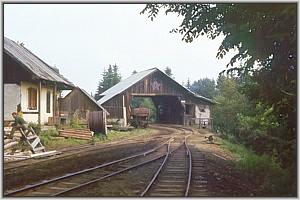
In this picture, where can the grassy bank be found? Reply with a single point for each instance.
(270, 178)
(51, 140)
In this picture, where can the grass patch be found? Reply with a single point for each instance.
(114, 135)
(265, 170)
(50, 139)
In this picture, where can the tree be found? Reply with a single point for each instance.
(168, 71)
(116, 76)
(133, 72)
(205, 87)
(188, 84)
(231, 104)
(261, 33)
(110, 77)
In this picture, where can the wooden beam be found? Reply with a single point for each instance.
(54, 103)
(152, 94)
(39, 110)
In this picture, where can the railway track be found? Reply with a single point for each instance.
(69, 182)
(173, 176)
(68, 152)
(180, 172)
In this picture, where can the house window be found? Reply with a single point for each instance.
(32, 98)
(48, 99)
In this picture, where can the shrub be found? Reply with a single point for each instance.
(266, 170)
(47, 135)
(36, 127)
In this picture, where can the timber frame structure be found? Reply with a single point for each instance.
(175, 104)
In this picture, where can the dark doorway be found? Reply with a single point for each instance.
(169, 109)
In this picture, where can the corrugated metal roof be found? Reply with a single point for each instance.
(92, 99)
(125, 84)
(33, 63)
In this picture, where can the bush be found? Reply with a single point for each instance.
(267, 172)
(47, 135)
(36, 127)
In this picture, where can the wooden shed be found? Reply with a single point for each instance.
(80, 105)
(174, 103)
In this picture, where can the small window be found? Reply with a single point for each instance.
(202, 110)
(32, 98)
(48, 100)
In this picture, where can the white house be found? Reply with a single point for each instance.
(30, 83)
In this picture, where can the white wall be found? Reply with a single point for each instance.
(199, 114)
(12, 97)
(33, 117)
(44, 114)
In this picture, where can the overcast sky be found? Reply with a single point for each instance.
(83, 39)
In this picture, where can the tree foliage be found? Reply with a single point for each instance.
(259, 32)
(110, 77)
(168, 71)
(205, 87)
(231, 104)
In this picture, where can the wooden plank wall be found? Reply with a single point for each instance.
(77, 101)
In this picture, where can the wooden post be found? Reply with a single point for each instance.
(54, 101)
(104, 121)
(124, 111)
(39, 98)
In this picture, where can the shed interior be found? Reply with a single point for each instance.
(169, 109)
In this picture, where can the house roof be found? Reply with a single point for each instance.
(123, 85)
(133, 79)
(33, 63)
(92, 99)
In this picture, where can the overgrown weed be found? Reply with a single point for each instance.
(265, 170)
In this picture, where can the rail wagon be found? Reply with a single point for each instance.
(139, 117)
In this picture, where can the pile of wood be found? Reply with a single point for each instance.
(12, 150)
(79, 133)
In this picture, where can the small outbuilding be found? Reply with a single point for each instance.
(79, 105)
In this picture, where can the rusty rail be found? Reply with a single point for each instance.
(157, 172)
(190, 167)
(107, 176)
